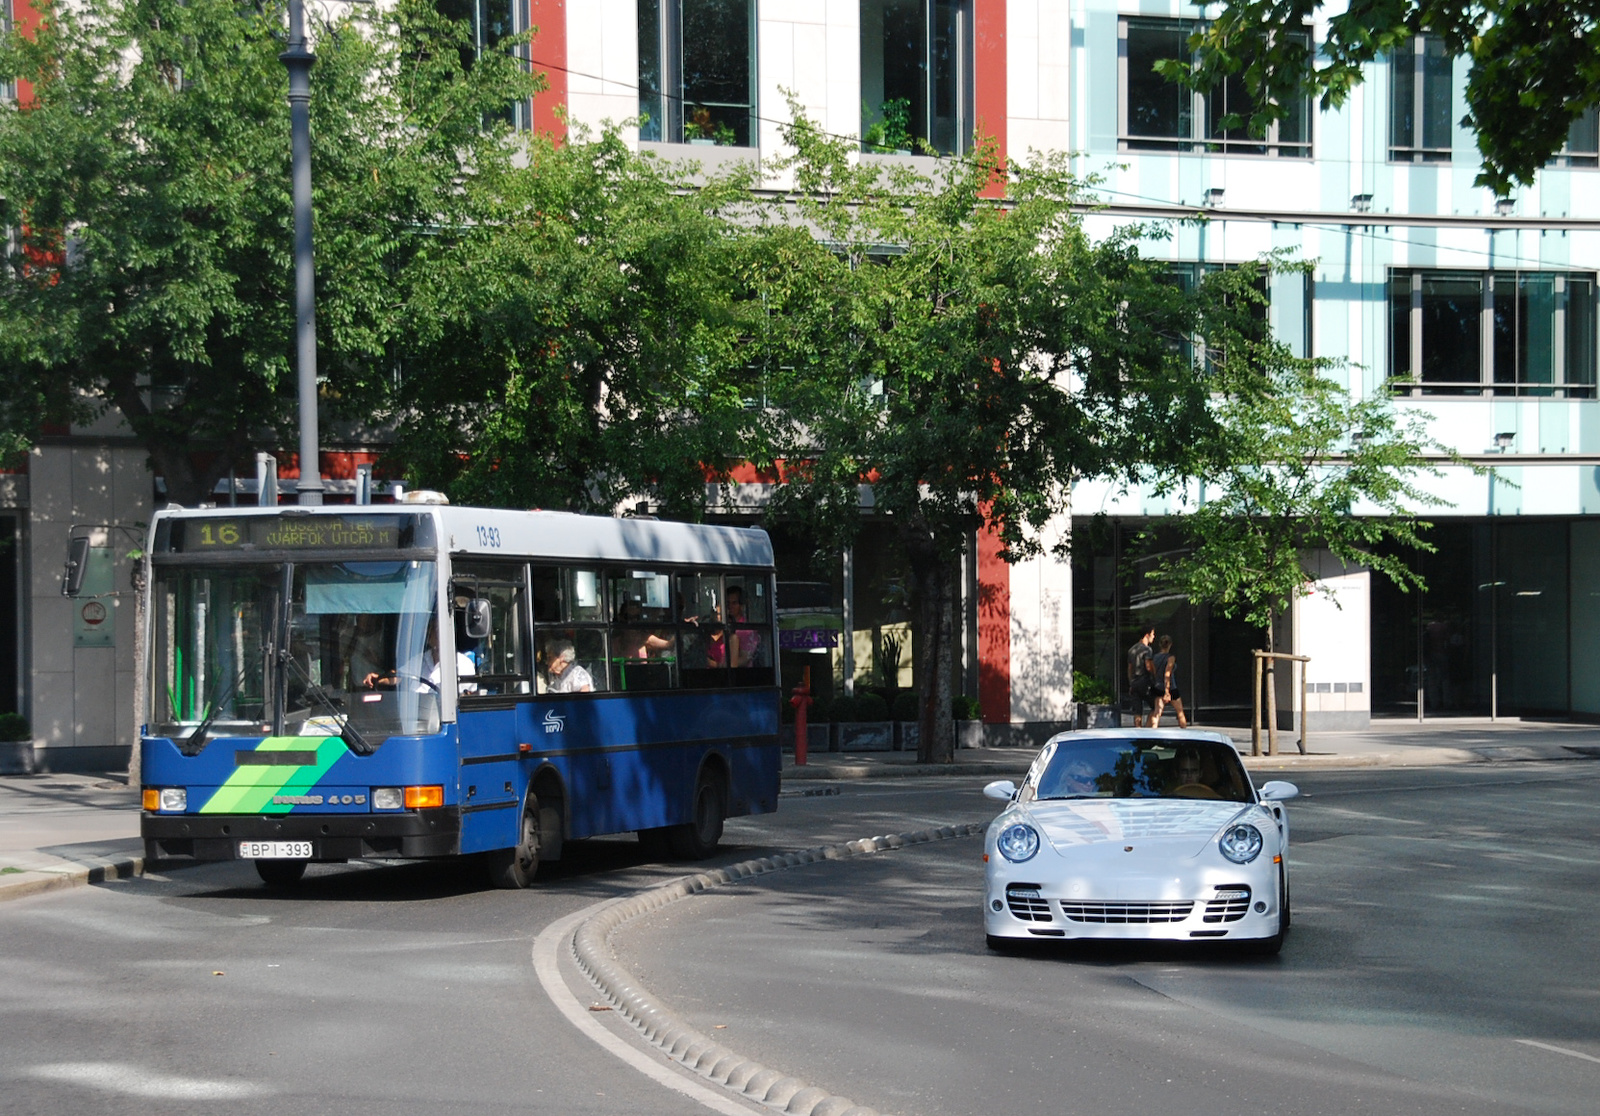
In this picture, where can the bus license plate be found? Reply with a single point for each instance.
(274, 850)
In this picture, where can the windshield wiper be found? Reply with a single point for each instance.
(347, 732)
(190, 745)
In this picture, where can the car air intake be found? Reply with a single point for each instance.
(1128, 912)
(1027, 904)
(1229, 904)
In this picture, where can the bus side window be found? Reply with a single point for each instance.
(748, 608)
(501, 658)
(581, 599)
(546, 595)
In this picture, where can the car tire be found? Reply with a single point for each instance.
(697, 838)
(281, 873)
(515, 868)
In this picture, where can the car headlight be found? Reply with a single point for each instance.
(1019, 842)
(1241, 843)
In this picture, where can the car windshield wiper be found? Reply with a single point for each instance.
(347, 732)
(190, 745)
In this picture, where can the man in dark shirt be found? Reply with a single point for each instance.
(1139, 676)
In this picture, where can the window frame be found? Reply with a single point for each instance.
(925, 130)
(1412, 152)
(668, 94)
(1200, 141)
(1406, 287)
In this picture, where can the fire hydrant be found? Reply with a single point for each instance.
(801, 702)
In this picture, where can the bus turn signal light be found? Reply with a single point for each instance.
(152, 798)
(420, 798)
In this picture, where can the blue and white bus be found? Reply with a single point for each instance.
(419, 680)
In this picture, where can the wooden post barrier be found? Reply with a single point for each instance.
(1272, 704)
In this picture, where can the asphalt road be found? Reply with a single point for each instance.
(1443, 921)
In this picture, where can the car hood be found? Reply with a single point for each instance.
(1176, 825)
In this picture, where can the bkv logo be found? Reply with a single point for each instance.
(553, 723)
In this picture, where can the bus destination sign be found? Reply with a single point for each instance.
(300, 532)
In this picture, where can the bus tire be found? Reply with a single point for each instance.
(697, 838)
(281, 873)
(514, 868)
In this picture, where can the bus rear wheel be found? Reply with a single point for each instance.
(281, 873)
(697, 839)
(515, 868)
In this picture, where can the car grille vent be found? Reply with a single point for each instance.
(1127, 912)
(1027, 904)
(1229, 905)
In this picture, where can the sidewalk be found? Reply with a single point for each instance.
(1385, 744)
(60, 831)
(66, 830)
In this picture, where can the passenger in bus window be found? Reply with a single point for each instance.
(745, 643)
(561, 674)
(635, 642)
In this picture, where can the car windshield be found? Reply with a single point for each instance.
(1102, 768)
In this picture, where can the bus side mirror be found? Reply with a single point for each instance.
(477, 618)
(77, 566)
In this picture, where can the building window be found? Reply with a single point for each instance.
(8, 89)
(1421, 98)
(1493, 333)
(489, 21)
(916, 76)
(1583, 142)
(697, 72)
(1161, 115)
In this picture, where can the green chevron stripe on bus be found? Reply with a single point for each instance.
(252, 788)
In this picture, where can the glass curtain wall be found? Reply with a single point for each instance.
(1420, 102)
(489, 22)
(916, 76)
(1492, 628)
(697, 72)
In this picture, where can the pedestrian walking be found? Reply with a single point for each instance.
(1140, 679)
(1164, 673)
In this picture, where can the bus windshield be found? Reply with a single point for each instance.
(352, 645)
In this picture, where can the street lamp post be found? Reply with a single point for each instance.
(298, 60)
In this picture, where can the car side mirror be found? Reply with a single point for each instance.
(1277, 791)
(1002, 789)
(478, 624)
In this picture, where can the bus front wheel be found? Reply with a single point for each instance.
(697, 839)
(516, 867)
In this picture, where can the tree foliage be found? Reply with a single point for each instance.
(1533, 67)
(587, 342)
(1293, 464)
(148, 173)
(965, 358)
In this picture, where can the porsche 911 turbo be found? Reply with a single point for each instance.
(1138, 834)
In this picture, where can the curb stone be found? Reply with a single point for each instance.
(701, 1053)
(51, 879)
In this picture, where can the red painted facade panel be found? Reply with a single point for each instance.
(989, 76)
(994, 631)
(548, 18)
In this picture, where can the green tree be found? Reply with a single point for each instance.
(587, 343)
(1533, 67)
(148, 175)
(966, 359)
(1292, 464)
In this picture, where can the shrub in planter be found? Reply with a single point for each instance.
(964, 708)
(1090, 690)
(14, 727)
(870, 707)
(905, 707)
(842, 709)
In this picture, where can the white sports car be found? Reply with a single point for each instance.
(1151, 834)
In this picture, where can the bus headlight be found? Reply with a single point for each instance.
(387, 798)
(174, 799)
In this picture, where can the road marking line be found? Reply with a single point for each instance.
(1559, 1050)
(546, 965)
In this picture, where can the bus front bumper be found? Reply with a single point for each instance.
(410, 835)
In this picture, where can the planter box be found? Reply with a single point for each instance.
(1097, 716)
(870, 736)
(16, 757)
(907, 734)
(816, 738)
(969, 734)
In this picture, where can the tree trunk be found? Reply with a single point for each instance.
(936, 729)
(1272, 686)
